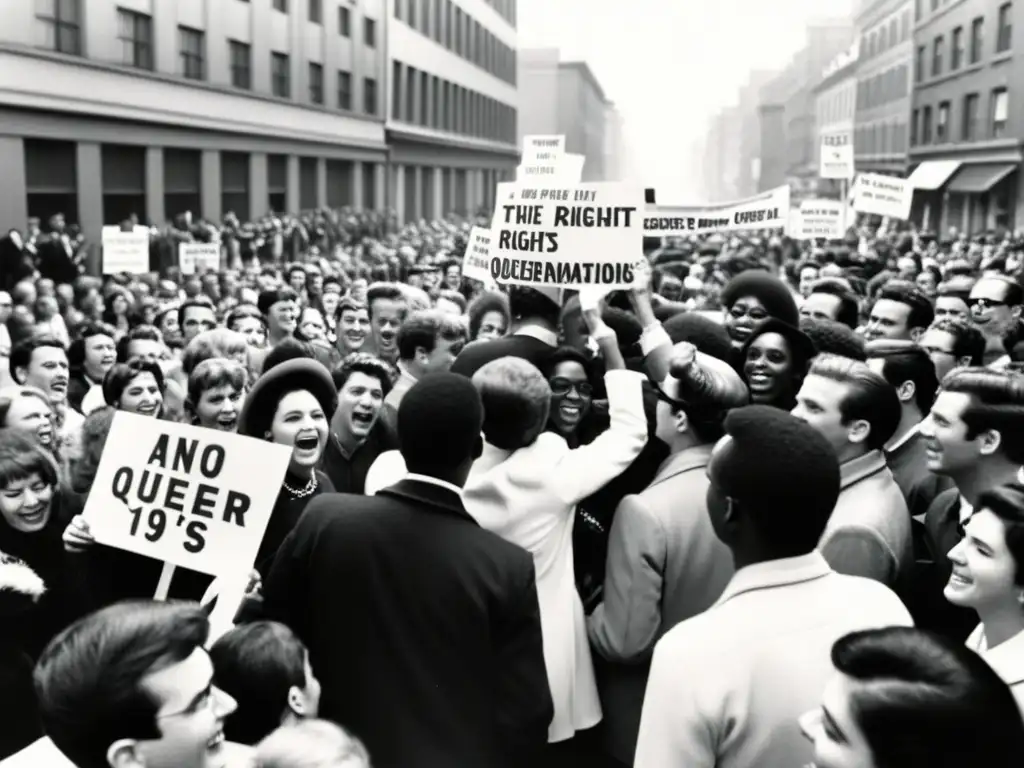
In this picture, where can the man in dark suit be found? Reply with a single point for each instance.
(535, 313)
(423, 628)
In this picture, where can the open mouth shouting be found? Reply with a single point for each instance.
(307, 446)
(362, 421)
(59, 387)
(228, 423)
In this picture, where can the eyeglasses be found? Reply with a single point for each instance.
(983, 303)
(562, 386)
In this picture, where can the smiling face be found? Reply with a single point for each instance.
(571, 396)
(312, 325)
(989, 309)
(25, 503)
(252, 329)
(838, 740)
(282, 318)
(359, 403)
(300, 422)
(819, 403)
(740, 319)
(385, 320)
(218, 407)
(353, 329)
(31, 414)
(768, 369)
(142, 396)
(984, 569)
(947, 449)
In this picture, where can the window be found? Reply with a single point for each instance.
(913, 126)
(369, 96)
(344, 22)
(424, 98)
(438, 20)
(57, 26)
(316, 11)
(969, 130)
(410, 95)
(977, 38)
(396, 90)
(241, 65)
(905, 26)
(411, 18)
(370, 33)
(190, 44)
(942, 123)
(1004, 36)
(398, 9)
(345, 90)
(935, 5)
(894, 32)
(919, 64)
(882, 39)
(281, 5)
(316, 83)
(280, 76)
(926, 125)
(1000, 111)
(135, 31)
(937, 47)
(956, 52)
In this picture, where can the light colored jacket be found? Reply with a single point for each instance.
(665, 564)
(529, 497)
(1007, 659)
(727, 686)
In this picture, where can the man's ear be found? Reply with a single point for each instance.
(916, 334)
(21, 374)
(682, 421)
(990, 441)
(906, 391)
(859, 431)
(297, 702)
(124, 753)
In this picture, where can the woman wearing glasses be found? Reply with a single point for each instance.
(752, 297)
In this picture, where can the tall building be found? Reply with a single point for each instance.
(114, 107)
(749, 171)
(616, 164)
(836, 103)
(968, 116)
(883, 84)
(564, 98)
(789, 110)
(721, 157)
(452, 104)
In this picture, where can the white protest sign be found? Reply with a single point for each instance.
(882, 195)
(193, 257)
(585, 234)
(476, 262)
(190, 496)
(125, 251)
(820, 218)
(768, 210)
(836, 156)
(542, 148)
(565, 169)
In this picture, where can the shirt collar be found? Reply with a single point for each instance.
(855, 470)
(695, 457)
(776, 573)
(434, 481)
(405, 374)
(1007, 658)
(538, 332)
(895, 445)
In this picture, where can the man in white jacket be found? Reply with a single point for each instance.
(727, 686)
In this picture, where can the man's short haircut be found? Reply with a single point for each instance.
(198, 301)
(968, 341)
(216, 342)
(921, 310)
(904, 361)
(349, 304)
(516, 399)
(215, 372)
(241, 311)
(89, 678)
(423, 329)
(267, 299)
(997, 403)
(362, 362)
(526, 303)
(869, 398)
(138, 333)
(439, 421)
(312, 744)
(1014, 292)
(21, 355)
(849, 306)
(454, 297)
(256, 665)
(959, 287)
(383, 292)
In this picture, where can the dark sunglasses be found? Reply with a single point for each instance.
(982, 303)
(562, 386)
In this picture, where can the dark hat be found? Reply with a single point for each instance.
(765, 287)
(833, 337)
(289, 376)
(779, 465)
(439, 423)
(705, 334)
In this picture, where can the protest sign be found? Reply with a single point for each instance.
(882, 195)
(836, 156)
(564, 169)
(542, 148)
(820, 218)
(476, 262)
(125, 251)
(768, 210)
(193, 497)
(198, 257)
(585, 234)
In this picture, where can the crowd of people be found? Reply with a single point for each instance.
(764, 508)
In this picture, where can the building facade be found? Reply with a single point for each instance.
(564, 98)
(616, 161)
(884, 72)
(836, 102)
(968, 116)
(115, 107)
(721, 161)
(452, 96)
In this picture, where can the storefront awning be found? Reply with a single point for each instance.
(932, 174)
(975, 179)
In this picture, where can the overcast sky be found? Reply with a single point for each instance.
(669, 65)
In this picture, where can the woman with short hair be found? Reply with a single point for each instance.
(216, 392)
(135, 387)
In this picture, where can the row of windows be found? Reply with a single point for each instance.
(423, 99)
(316, 16)
(450, 26)
(924, 131)
(836, 105)
(959, 51)
(883, 88)
(886, 138)
(886, 35)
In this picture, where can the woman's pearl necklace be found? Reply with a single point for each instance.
(305, 491)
